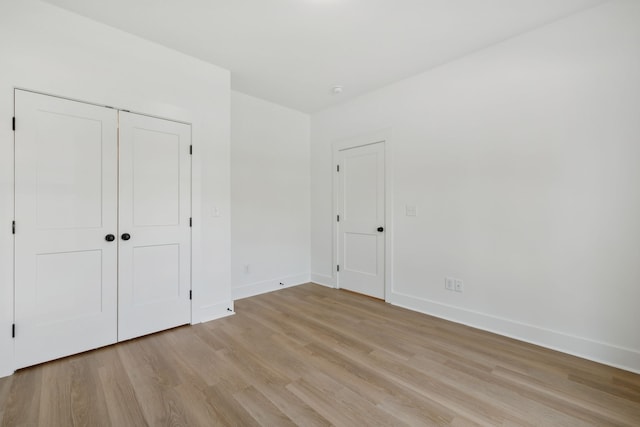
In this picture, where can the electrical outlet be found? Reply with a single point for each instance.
(281, 284)
(459, 285)
(449, 283)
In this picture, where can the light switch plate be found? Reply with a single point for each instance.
(449, 283)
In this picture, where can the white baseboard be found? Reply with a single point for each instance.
(6, 354)
(268, 286)
(321, 279)
(608, 354)
(215, 311)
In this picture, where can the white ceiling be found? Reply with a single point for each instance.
(292, 52)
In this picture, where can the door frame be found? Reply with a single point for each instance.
(13, 184)
(383, 136)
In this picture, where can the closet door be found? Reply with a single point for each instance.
(65, 209)
(155, 234)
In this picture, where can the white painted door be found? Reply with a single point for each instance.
(155, 235)
(361, 219)
(65, 205)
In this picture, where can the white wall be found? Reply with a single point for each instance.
(47, 49)
(524, 163)
(269, 196)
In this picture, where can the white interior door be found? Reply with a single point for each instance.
(65, 205)
(155, 235)
(361, 219)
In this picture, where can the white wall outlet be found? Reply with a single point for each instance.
(215, 212)
(459, 285)
(449, 283)
(411, 210)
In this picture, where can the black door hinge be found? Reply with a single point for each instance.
(337, 168)
(190, 294)
(338, 269)
(338, 218)
(13, 123)
(191, 149)
(190, 222)
(13, 330)
(13, 227)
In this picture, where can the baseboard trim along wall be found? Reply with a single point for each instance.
(608, 354)
(215, 311)
(6, 373)
(269, 286)
(321, 279)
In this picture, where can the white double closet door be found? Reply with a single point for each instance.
(102, 237)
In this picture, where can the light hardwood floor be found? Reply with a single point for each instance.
(315, 356)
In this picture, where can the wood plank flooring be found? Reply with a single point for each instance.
(314, 356)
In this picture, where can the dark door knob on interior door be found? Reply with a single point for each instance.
(126, 236)
(109, 237)
(380, 229)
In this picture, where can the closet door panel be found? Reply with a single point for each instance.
(66, 203)
(155, 178)
(155, 234)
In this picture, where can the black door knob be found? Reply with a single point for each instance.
(126, 236)
(109, 237)
(380, 229)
